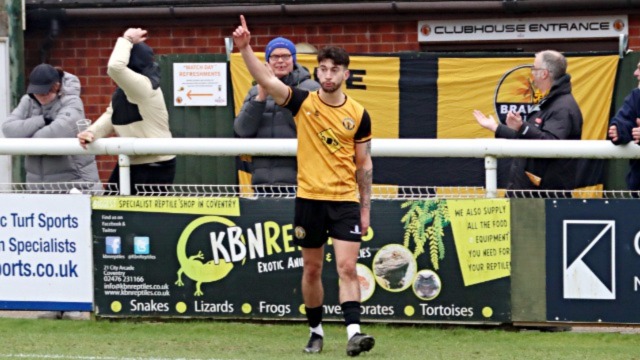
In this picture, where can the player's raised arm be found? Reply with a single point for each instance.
(260, 71)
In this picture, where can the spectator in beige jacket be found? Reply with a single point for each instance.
(137, 109)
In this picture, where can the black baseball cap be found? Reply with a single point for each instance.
(42, 78)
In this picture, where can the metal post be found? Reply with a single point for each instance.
(228, 44)
(622, 45)
(491, 175)
(125, 174)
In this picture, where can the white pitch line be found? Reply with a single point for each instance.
(54, 356)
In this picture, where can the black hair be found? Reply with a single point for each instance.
(337, 54)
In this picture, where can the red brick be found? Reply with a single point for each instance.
(98, 63)
(255, 32)
(78, 61)
(193, 41)
(285, 31)
(106, 90)
(406, 27)
(216, 42)
(103, 43)
(339, 40)
(161, 42)
(327, 30)
(353, 29)
(381, 48)
(63, 53)
(318, 41)
(382, 28)
(90, 110)
(208, 32)
(98, 81)
(406, 47)
(310, 29)
(164, 50)
(375, 38)
(92, 99)
(183, 32)
(394, 38)
(213, 50)
(159, 32)
(358, 48)
(105, 54)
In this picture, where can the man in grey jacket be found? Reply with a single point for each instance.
(50, 109)
(260, 117)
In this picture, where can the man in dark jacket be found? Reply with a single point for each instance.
(260, 117)
(556, 117)
(625, 127)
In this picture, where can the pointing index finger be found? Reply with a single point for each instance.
(243, 22)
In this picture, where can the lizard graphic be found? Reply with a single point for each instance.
(193, 266)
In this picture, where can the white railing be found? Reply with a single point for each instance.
(489, 149)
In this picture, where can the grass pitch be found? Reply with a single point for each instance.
(198, 339)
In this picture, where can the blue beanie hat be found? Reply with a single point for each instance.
(280, 43)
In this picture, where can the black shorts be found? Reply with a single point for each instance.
(317, 220)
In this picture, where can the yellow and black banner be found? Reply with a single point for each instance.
(429, 96)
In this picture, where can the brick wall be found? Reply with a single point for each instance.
(85, 50)
(634, 32)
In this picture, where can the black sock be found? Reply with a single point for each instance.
(351, 312)
(314, 315)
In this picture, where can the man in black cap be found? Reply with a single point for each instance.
(50, 109)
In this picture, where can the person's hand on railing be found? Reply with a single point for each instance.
(635, 132)
(613, 133)
(85, 138)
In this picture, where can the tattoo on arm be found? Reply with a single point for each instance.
(365, 178)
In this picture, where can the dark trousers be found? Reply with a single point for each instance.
(162, 172)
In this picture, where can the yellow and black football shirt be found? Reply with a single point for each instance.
(326, 145)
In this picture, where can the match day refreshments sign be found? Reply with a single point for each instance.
(199, 84)
(235, 258)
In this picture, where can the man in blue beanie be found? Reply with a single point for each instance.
(260, 117)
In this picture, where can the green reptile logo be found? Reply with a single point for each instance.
(193, 266)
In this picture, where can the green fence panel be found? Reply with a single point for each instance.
(528, 270)
(199, 122)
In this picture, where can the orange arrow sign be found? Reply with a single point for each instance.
(190, 94)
